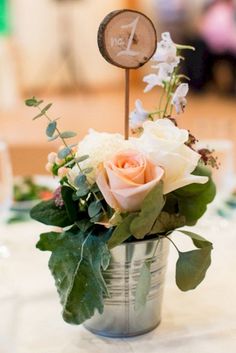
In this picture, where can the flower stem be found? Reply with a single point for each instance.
(173, 243)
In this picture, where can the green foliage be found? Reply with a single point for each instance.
(151, 208)
(94, 208)
(87, 170)
(51, 128)
(193, 199)
(71, 206)
(31, 102)
(191, 268)
(143, 286)
(45, 109)
(192, 265)
(80, 180)
(76, 263)
(197, 240)
(48, 213)
(62, 154)
(167, 222)
(53, 138)
(68, 134)
(122, 232)
(82, 158)
(49, 241)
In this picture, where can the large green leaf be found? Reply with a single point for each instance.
(122, 231)
(194, 198)
(151, 208)
(71, 206)
(48, 213)
(49, 241)
(191, 267)
(76, 263)
(198, 240)
(143, 286)
(167, 222)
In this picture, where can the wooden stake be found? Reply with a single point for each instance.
(127, 94)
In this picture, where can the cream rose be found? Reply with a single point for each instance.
(99, 146)
(126, 179)
(164, 144)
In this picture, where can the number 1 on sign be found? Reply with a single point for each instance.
(128, 50)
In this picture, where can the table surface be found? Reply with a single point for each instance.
(200, 321)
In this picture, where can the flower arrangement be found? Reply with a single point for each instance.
(114, 190)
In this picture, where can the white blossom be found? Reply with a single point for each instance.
(163, 75)
(164, 144)
(99, 146)
(166, 51)
(138, 116)
(179, 98)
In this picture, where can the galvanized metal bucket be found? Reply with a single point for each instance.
(120, 318)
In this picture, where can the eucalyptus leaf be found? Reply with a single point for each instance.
(68, 134)
(143, 286)
(94, 208)
(151, 208)
(87, 170)
(53, 138)
(82, 158)
(62, 154)
(45, 109)
(76, 266)
(83, 191)
(97, 218)
(191, 268)
(80, 180)
(38, 116)
(51, 128)
(48, 213)
(31, 102)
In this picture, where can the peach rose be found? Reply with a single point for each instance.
(126, 179)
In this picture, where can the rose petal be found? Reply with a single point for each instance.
(102, 183)
(131, 198)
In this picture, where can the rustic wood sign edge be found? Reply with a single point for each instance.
(101, 37)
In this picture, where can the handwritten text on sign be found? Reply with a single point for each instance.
(121, 41)
(127, 39)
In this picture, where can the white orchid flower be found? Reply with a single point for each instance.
(166, 51)
(164, 74)
(152, 80)
(138, 116)
(179, 98)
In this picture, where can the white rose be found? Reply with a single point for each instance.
(99, 146)
(164, 144)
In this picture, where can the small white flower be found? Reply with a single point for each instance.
(138, 116)
(167, 51)
(152, 80)
(164, 74)
(179, 101)
(164, 144)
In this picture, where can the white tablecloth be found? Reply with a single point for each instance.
(200, 321)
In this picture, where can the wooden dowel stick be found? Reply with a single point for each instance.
(127, 94)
